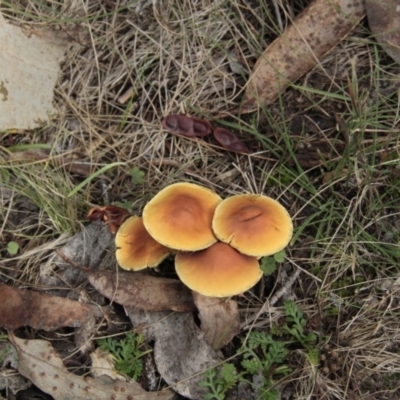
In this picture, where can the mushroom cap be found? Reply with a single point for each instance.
(180, 216)
(253, 224)
(218, 271)
(136, 249)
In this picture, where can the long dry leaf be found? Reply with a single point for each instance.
(180, 351)
(142, 291)
(219, 319)
(66, 161)
(39, 362)
(318, 29)
(40, 311)
(384, 21)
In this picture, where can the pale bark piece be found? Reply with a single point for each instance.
(39, 362)
(316, 31)
(141, 291)
(219, 319)
(30, 63)
(384, 22)
(180, 352)
(40, 311)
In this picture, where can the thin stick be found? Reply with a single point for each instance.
(274, 299)
(69, 261)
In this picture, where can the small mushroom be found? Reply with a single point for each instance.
(136, 249)
(218, 271)
(255, 225)
(180, 216)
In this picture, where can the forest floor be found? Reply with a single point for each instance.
(328, 149)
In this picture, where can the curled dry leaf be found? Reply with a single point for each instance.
(384, 21)
(186, 126)
(92, 247)
(318, 29)
(141, 291)
(219, 319)
(180, 351)
(40, 311)
(39, 362)
(113, 216)
(229, 141)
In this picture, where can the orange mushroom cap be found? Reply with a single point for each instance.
(136, 249)
(180, 216)
(254, 225)
(218, 271)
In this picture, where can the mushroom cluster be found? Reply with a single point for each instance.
(217, 242)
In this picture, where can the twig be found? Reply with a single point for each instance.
(69, 261)
(125, 96)
(274, 299)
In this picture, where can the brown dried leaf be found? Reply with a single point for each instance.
(186, 126)
(112, 216)
(316, 31)
(40, 311)
(384, 21)
(229, 141)
(39, 362)
(141, 291)
(180, 351)
(219, 319)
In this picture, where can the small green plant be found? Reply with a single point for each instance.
(268, 264)
(137, 175)
(12, 248)
(219, 382)
(265, 355)
(295, 325)
(127, 353)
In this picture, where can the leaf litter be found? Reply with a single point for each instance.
(181, 353)
(181, 350)
(39, 362)
(219, 319)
